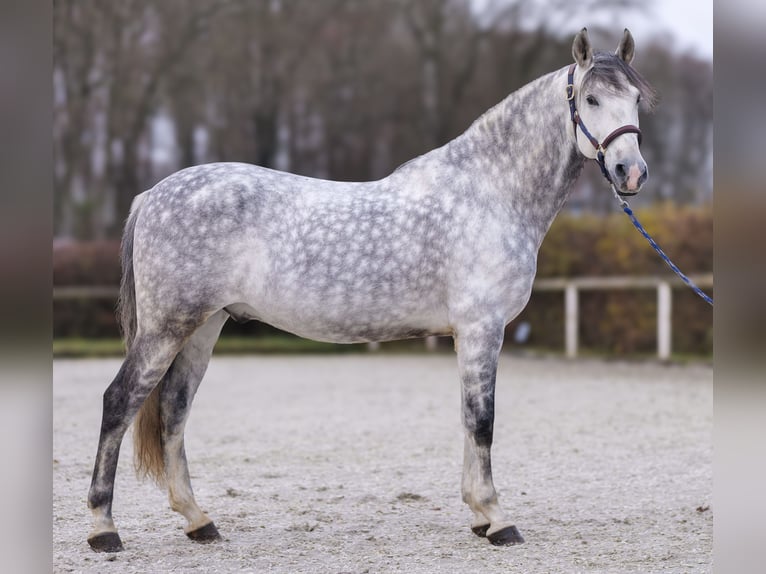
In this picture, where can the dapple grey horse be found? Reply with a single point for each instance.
(445, 245)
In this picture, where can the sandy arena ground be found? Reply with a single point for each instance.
(352, 464)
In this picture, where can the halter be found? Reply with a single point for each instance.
(600, 147)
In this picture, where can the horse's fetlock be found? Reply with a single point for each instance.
(98, 499)
(487, 500)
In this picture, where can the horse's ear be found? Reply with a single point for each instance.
(627, 48)
(581, 49)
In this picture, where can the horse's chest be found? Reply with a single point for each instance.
(495, 277)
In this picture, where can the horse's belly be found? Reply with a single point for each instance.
(347, 319)
(352, 328)
(340, 292)
(362, 333)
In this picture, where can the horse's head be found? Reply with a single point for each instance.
(605, 98)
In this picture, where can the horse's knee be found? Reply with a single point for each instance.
(478, 374)
(480, 426)
(479, 413)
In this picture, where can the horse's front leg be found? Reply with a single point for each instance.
(478, 348)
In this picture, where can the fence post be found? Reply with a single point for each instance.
(571, 320)
(664, 322)
(373, 346)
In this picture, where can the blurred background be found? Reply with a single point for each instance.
(348, 90)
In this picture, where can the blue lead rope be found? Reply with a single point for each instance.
(626, 208)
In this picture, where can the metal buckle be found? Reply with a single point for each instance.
(570, 92)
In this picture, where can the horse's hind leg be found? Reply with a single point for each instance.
(176, 392)
(478, 348)
(146, 362)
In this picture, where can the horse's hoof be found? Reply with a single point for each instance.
(507, 536)
(106, 542)
(480, 531)
(205, 534)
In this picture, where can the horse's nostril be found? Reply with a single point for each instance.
(620, 169)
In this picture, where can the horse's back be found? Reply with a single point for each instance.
(328, 260)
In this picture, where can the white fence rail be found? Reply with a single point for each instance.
(663, 286)
(571, 288)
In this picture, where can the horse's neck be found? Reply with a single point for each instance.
(522, 154)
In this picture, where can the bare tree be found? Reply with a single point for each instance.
(447, 41)
(76, 40)
(330, 88)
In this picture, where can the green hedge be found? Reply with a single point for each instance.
(625, 321)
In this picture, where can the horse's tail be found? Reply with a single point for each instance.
(148, 447)
(147, 429)
(126, 305)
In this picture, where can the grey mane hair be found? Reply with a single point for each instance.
(612, 71)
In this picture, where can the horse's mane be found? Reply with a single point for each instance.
(610, 69)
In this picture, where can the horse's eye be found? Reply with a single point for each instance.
(591, 101)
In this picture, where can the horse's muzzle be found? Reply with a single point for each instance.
(629, 177)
